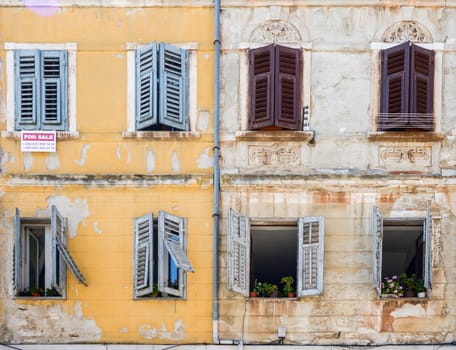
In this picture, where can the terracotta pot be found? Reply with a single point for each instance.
(410, 294)
(253, 294)
(292, 295)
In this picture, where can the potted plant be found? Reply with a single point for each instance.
(265, 289)
(288, 289)
(419, 288)
(408, 282)
(391, 287)
(256, 289)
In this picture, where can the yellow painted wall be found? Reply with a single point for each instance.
(114, 182)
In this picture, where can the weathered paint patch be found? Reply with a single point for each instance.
(75, 211)
(203, 121)
(37, 324)
(205, 160)
(83, 158)
(175, 162)
(52, 161)
(96, 228)
(150, 160)
(148, 332)
(409, 310)
(27, 159)
(119, 152)
(6, 158)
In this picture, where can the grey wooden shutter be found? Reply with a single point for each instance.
(422, 88)
(27, 82)
(238, 255)
(17, 251)
(261, 87)
(173, 85)
(146, 86)
(143, 256)
(395, 87)
(58, 280)
(287, 94)
(427, 250)
(377, 249)
(54, 90)
(311, 255)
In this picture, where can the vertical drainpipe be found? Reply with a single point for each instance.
(216, 149)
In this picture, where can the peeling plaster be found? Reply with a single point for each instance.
(205, 160)
(27, 160)
(47, 323)
(119, 152)
(96, 228)
(148, 332)
(6, 158)
(52, 161)
(150, 160)
(75, 211)
(409, 310)
(83, 158)
(175, 162)
(203, 121)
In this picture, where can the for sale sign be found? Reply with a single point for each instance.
(38, 141)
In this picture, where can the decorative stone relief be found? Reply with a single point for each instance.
(274, 155)
(419, 155)
(436, 242)
(407, 31)
(274, 32)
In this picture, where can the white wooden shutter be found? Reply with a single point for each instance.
(238, 254)
(377, 248)
(26, 71)
(311, 255)
(173, 87)
(146, 86)
(427, 250)
(54, 90)
(17, 251)
(143, 256)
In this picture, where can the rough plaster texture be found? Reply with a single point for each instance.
(75, 210)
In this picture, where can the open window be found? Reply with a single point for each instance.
(160, 259)
(256, 246)
(401, 246)
(41, 256)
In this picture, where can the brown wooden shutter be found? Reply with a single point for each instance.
(422, 88)
(261, 80)
(394, 87)
(288, 87)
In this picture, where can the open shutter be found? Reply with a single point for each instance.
(311, 255)
(17, 251)
(172, 244)
(395, 86)
(54, 90)
(427, 250)
(146, 86)
(261, 87)
(238, 254)
(377, 235)
(287, 87)
(26, 71)
(58, 280)
(422, 88)
(143, 256)
(173, 85)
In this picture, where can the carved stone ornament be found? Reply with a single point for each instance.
(274, 32)
(274, 155)
(410, 155)
(407, 31)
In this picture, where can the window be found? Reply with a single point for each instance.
(255, 247)
(41, 90)
(275, 88)
(161, 88)
(41, 256)
(160, 261)
(401, 245)
(407, 88)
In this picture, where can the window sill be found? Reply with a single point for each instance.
(61, 135)
(405, 136)
(161, 135)
(281, 135)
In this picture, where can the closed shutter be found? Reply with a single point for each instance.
(395, 87)
(26, 71)
(173, 86)
(146, 86)
(287, 87)
(238, 252)
(422, 88)
(58, 280)
(143, 256)
(377, 249)
(311, 255)
(261, 83)
(54, 90)
(427, 250)
(17, 251)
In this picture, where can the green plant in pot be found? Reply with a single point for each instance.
(265, 289)
(409, 283)
(419, 288)
(288, 289)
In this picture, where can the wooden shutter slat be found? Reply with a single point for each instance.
(58, 264)
(143, 279)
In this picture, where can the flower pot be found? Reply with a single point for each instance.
(409, 294)
(421, 295)
(253, 294)
(292, 295)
